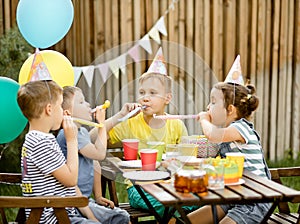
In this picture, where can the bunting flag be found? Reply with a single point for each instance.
(77, 74)
(113, 65)
(160, 25)
(153, 33)
(103, 68)
(119, 64)
(146, 44)
(39, 70)
(88, 72)
(134, 53)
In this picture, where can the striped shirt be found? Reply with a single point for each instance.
(41, 155)
(254, 158)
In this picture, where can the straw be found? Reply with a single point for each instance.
(169, 116)
(131, 113)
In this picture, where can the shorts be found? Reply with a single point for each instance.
(105, 215)
(246, 213)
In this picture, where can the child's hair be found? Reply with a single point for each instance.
(242, 97)
(164, 79)
(34, 96)
(68, 94)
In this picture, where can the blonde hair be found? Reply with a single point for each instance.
(34, 96)
(165, 80)
(68, 94)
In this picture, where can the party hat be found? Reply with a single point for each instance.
(39, 70)
(235, 73)
(158, 64)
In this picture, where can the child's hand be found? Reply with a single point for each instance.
(105, 202)
(70, 128)
(127, 107)
(204, 115)
(100, 115)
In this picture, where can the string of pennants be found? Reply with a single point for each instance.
(119, 63)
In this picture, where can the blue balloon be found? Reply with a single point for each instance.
(12, 120)
(44, 22)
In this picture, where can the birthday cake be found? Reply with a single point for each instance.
(231, 171)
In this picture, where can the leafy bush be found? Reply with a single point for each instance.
(14, 50)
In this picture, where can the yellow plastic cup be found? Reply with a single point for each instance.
(186, 149)
(239, 159)
(160, 146)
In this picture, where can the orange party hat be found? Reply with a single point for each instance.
(39, 70)
(158, 65)
(235, 73)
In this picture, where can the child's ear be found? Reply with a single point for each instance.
(48, 109)
(231, 109)
(168, 98)
(67, 112)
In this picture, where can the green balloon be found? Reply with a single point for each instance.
(12, 120)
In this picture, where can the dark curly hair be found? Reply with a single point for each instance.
(242, 97)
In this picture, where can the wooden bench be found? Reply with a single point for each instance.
(284, 215)
(108, 181)
(37, 204)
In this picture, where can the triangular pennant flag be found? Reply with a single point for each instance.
(122, 63)
(77, 74)
(103, 68)
(160, 26)
(158, 65)
(134, 53)
(39, 70)
(153, 33)
(114, 67)
(88, 72)
(145, 43)
(235, 73)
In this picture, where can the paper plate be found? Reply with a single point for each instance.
(133, 164)
(241, 181)
(146, 175)
(190, 160)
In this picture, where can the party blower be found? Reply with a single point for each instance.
(90, 123)
(131, 113)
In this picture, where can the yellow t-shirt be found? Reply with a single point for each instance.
(136, 127)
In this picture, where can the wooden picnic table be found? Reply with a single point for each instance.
(255, 190)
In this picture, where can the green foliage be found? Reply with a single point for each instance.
(14, 51)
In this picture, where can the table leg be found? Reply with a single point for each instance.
(183, 215)
(271, 210)
(215, 214)
(152, 210)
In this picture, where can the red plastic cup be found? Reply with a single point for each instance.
(148, 157)
(130, 147)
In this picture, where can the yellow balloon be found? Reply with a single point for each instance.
(59, 67)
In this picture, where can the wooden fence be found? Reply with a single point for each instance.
(203, 39)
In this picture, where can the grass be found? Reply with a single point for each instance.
(293, 182)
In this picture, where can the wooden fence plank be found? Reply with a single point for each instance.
(266, 93)
(274, 87)
(260, 85)
(2, 18)
(282, 88)
(289, 76)
(296, 85)
(217, 36)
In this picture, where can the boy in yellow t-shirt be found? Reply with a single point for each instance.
(155, 93)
